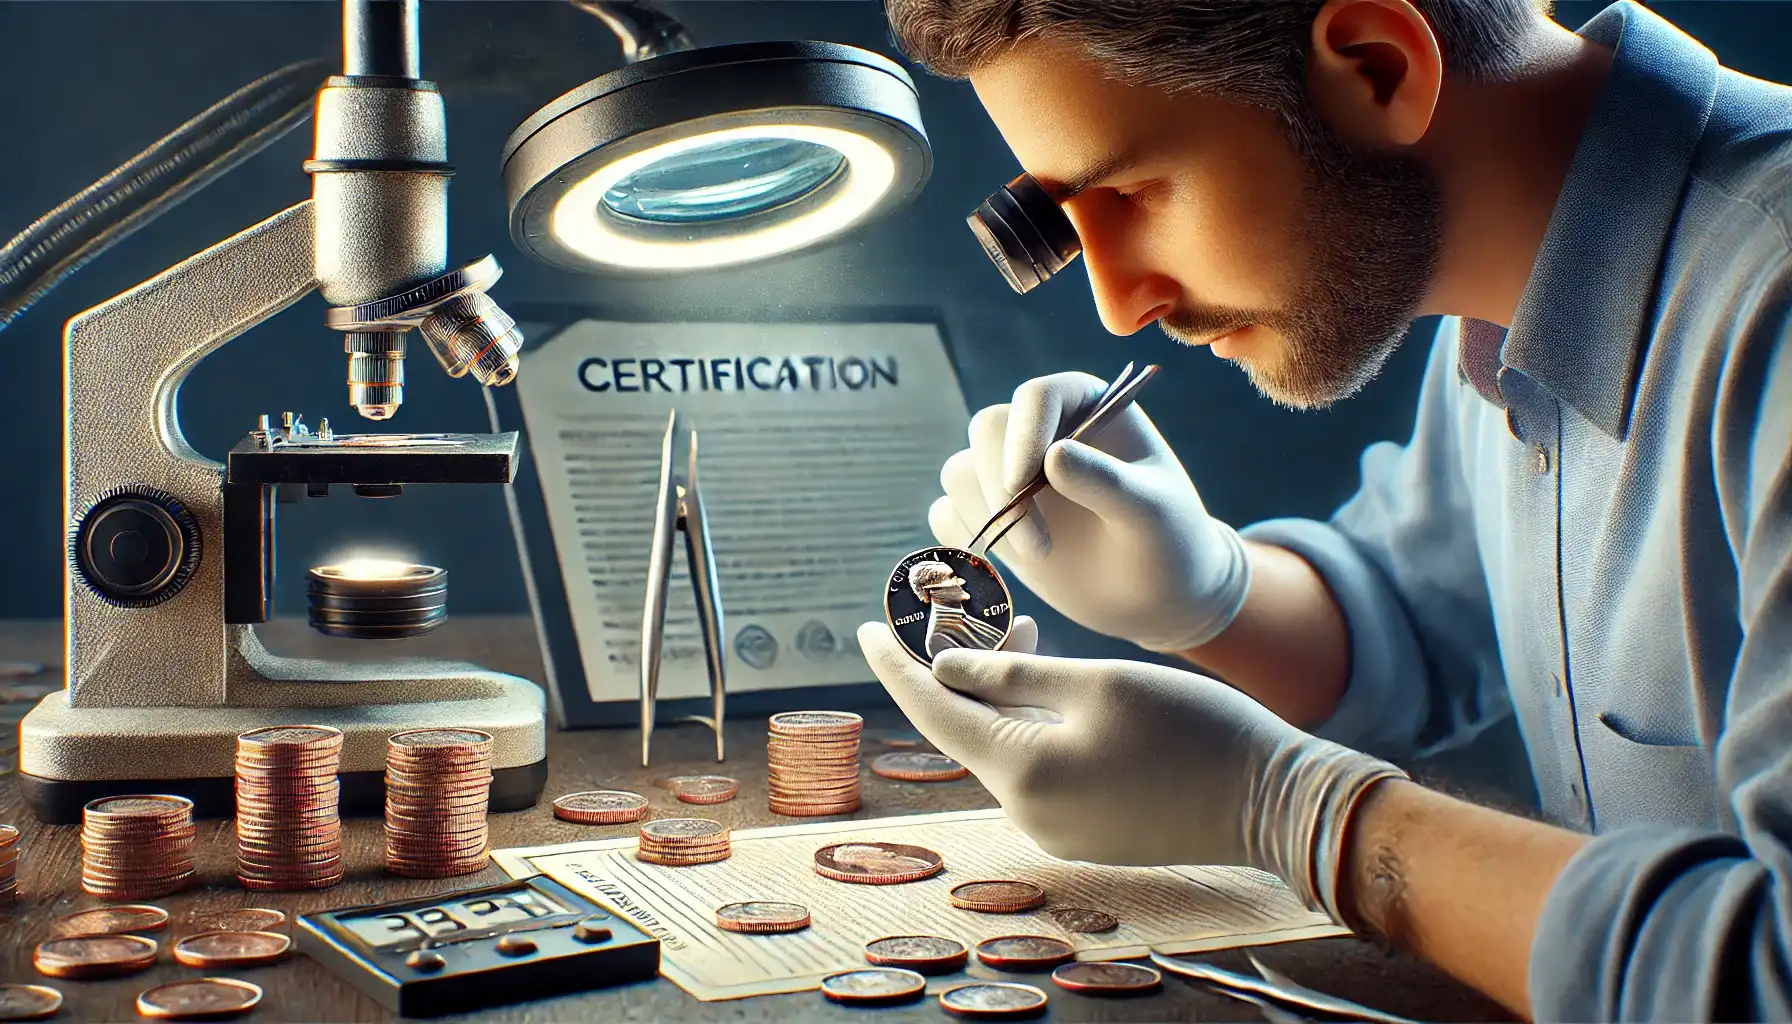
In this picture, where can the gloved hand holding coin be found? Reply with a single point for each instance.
(1137, 764)
(1119, 541)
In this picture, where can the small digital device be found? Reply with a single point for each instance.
(493, 946)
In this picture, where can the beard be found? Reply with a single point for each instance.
(1373, 226)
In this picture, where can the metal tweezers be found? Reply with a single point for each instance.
(1120, 393)
(679, 507)
(1282, 1000)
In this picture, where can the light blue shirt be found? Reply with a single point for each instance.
(1592, 528)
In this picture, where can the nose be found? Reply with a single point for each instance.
(1129, 294)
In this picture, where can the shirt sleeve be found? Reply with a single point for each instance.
(1671, 924)
(1401, 560)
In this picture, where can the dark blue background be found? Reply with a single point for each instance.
(85, 85)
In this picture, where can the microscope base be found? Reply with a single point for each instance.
(69, 756)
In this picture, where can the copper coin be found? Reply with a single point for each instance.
(310, 737)
(135, 808)
(877, 863)
(601, 807)
(28, 1002)
(707, 789)
(997, 897)
(111, 921)
(94, 956)
(1024, 952)
(671, 781)
(670, 861)
(918, 766)
(199, 999)
(8, 836)
(1082, 919)
(816, 723)
(248, 919)
(683, 830)
(231, 949)
(762, 917)
(992, 999)
(929, 954)
(1113, 978)
(424, 739)
(873, 985)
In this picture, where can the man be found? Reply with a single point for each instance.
(1591, 525)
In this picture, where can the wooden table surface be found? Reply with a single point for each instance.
(302, 990)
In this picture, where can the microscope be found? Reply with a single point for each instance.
(172, 555)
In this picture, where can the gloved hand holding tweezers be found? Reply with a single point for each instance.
(1119, 542)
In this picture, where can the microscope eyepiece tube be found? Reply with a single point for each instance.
(379, 37)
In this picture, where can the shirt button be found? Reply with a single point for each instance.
(1542, 455)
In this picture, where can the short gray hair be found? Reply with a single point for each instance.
(1251, 51)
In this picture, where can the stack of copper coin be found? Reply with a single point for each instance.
(9, 864)
(812, 760)
(288, 832)
(438, 786)
(682, 842)
(137, 847)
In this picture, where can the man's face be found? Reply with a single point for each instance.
(1203, 216)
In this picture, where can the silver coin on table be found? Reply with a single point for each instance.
(942, 598)
(1024, 952)
(873, 985)
(1083, 919)
(992, 999)
(1107, 978)
(762, 917)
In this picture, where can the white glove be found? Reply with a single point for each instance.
(1120, 542)
(1137, 764)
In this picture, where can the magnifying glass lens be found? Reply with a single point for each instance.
(1025, 233)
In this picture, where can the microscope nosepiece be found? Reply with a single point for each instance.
(375, 372)
(470, 333)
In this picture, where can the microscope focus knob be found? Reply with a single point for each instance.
(135, 547)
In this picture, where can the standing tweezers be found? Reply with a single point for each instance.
(1120, 393)
(679, 507)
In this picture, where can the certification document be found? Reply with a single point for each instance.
(819, 450)
(1172, 910)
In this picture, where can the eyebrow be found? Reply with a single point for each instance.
(1094, 174)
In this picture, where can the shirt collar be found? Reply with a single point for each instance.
(1582, 324)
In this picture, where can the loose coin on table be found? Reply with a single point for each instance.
(9, 863)
(873, 985)
(1000, 896)
(247, 919)
(199, 999)
(132, 917)
(1083, 919)
(94, 956)
(601, 807)
(1099, 978)
(225, 950)
(918, 766)
(28, 1002)
(1024, 952)
(762, 917)
(706, 789)
(941, 598)
(928, 954)
(993, 999)
(877, 863)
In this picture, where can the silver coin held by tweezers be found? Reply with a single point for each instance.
(940, 598)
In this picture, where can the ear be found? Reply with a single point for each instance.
(1375, 71)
